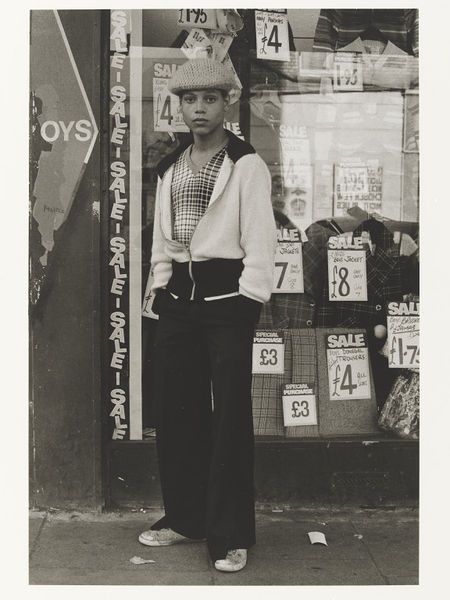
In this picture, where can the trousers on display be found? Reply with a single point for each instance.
(204, 428)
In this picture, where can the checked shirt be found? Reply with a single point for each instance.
(191, 193)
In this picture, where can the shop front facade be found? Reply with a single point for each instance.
(336, 350)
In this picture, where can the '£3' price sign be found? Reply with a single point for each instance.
(268, 352)
(299, 405)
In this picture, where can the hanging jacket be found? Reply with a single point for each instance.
(233, 246)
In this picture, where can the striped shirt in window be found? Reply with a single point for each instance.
(336, 28)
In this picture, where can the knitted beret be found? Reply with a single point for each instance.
(201, 73)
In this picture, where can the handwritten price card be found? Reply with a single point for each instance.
(167, 115)
(299, 405)
(347, 270)
(403, 335)
(268, 352)
(272, 38)
(347, 73)
(288, 274)
(348, 366)
(197, 17)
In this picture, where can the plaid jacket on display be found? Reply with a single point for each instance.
(386, 274)
(267, 391)
(304, 370)
(307, 309)
(300, 366)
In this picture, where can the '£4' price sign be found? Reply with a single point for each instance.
(348, 367)
(272, 37)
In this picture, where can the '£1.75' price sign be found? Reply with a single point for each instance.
(348, 366)
(403, 335)
(299, 405)
(268, 352)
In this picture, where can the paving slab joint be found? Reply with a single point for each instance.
(38, 535)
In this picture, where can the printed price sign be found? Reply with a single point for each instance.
(403, 335)
(199, 44)
(268, 352)
(347, 270)
(167, 115)
(347, 73)
(299, 405)
(348, 366)
(288, 274)
(358, 184)
(272, 37)
(197, 17)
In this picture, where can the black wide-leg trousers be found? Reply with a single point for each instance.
(202, 360)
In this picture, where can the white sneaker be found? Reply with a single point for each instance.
(234, 561)
(163, 537)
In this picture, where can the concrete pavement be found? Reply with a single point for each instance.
(365, 547)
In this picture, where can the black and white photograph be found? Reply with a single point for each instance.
(224, 267)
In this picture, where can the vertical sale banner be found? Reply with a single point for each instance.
(119, 183)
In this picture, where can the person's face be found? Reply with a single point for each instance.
(203, 110)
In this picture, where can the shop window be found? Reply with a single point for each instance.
(339, 134)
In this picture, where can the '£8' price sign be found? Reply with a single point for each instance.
(268, 352)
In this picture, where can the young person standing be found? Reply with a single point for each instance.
(212, 263)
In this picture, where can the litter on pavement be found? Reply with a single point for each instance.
(317, 537)
(138, 560)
